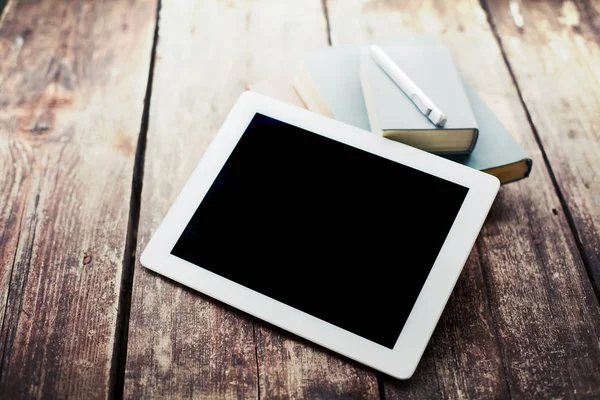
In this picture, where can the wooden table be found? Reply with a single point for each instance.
(105, 109)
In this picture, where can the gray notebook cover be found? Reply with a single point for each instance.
(335, 71)
(432, 69)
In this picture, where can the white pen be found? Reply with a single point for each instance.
(423, 103)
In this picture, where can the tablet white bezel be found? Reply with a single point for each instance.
(402, 360)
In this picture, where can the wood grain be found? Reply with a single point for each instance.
(183, 344)
(291, 368)
(523, 320)
(72, 82)
(555, 58)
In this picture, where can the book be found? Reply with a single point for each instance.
(496, 151)
(328, 82)
(393, 114)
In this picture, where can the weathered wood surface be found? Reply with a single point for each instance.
(181, 343)
(553, 50)
(523, 320)
(72, 82)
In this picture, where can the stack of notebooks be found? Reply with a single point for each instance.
(345, 83)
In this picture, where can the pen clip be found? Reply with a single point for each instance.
(420, 104)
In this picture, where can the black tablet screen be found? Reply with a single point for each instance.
(344, 235)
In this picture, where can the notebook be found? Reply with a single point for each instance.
(327, 72)
(393, 114)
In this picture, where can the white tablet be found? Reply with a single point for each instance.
(349, 240)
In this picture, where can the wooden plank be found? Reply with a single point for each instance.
(523, 320)
(295, 369)
(554, 53)
(182, 344)
(72, 83)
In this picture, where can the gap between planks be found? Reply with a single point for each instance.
(380, 385)
(256, 356)
(327, 25)
(2, 7)
(570, 220)
(119, 357)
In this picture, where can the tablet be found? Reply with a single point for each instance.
(344, 238)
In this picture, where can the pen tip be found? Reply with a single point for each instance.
(437, 117)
